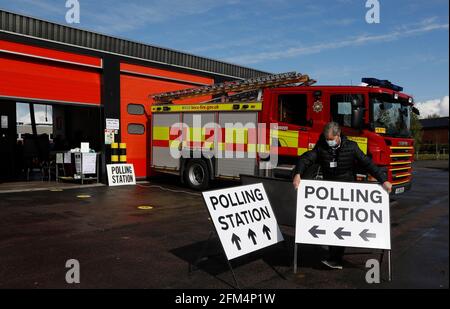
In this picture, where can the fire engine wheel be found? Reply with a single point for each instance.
(197, 175)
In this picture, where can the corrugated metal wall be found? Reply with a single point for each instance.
(51, 31)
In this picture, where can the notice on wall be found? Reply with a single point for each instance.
(343, 214)
(121, 174)
(89, 163)
(59, 158)
(109, 137)
(243, 218)
(68, 158)
(4, 122)
(112, 124)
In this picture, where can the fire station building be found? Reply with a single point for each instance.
(84, 80)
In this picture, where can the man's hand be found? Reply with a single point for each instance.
(296, 181)
(387, 186)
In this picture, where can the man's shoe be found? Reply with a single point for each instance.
(333, 264)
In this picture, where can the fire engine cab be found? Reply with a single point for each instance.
(261, 126)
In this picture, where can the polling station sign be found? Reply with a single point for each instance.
(243, 218)
(121, 174)
(343, 214)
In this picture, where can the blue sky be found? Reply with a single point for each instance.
(329, 40)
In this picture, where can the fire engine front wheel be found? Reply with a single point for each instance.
(197, 175)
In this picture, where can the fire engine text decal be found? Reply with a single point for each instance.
(224, 107)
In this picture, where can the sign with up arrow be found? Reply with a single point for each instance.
(343, 214)
(243, 218)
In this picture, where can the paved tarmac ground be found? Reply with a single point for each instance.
(121, 246)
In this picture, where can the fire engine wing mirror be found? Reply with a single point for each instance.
(415, 110)
(358, 117)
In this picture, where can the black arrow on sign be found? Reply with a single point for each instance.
(340, 233)
(314, 231)
(252, 236)
(236, 240)
(366, 235)
(266, 231)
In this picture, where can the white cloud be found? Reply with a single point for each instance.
(433, 107)
(118, 17)
(40, 118)
(425, 26)
(341, 22)
(127, 16)
(42, 7)
(41, 114)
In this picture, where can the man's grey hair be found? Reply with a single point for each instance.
(332, 127)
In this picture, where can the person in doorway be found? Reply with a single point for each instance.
(338, 158)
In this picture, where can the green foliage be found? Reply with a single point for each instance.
(433, 116)
(416, 130)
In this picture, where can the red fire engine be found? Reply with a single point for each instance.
(248, 123)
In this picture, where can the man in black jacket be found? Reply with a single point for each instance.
(338, 158)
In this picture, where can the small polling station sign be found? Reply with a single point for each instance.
(243, 219)
(343, 214)
(121, 174)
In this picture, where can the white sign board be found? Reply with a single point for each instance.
(112, 124)
(84, 147)
(243, 218)
(59, 158)
(109, 137)
(343, 214)
(89, 163)
(121, 174)
(4, 122)
(68, 157)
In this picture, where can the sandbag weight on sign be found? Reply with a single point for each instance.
(123, 153)
(114, 153)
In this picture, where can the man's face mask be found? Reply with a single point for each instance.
(334, 142)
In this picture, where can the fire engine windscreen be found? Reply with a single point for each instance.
(393, 115)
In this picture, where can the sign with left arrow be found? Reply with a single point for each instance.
(343, 214)
(243, 218)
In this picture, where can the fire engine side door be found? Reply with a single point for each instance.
(340, 111)
(292, 113)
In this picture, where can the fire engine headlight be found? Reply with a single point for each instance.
(396, 96)
(411, 100)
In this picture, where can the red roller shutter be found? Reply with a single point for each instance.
(28, 72)
(137, 83)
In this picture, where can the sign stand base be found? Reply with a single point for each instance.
(389, 256)
(194, 266)
(389, 263)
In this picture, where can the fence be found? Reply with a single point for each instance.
(432, 152)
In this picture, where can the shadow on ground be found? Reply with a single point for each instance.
(208, 256)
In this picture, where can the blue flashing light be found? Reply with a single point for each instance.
(382, 83)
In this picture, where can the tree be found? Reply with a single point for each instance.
(416, 130)
(433, 116)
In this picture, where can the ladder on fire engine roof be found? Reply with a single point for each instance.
(237, 87)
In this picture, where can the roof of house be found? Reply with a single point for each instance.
(435, 123)
(45, 30)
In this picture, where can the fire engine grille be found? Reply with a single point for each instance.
(400, 170)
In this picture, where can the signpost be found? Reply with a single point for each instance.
(342, 214)
(120, 175)
(243, 219)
